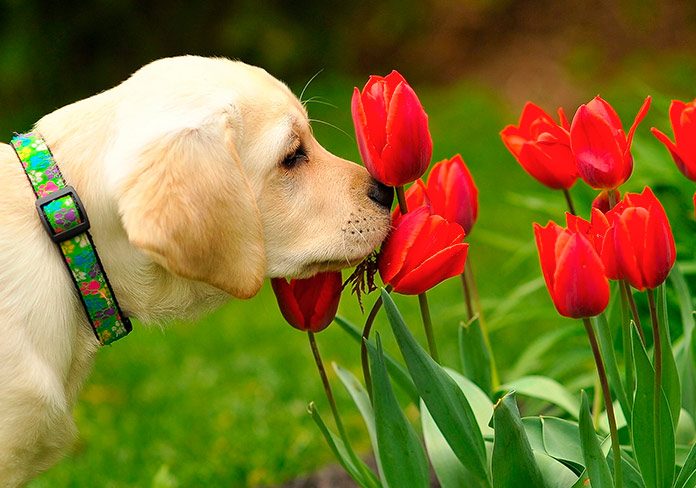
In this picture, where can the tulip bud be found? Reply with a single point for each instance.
(422, 251)
(309, 304)
(601, 147)
(573, 271)
(453, 193)
(639, 245)
(542, 147)
(683, 150)
(391, 129)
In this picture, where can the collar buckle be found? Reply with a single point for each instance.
(70, 225)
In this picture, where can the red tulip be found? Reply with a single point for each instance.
(309, 304)
(422, 251)
(416, 196)
(573, 271)
(639, 245)
(601, 147)
(683, 149)
(453, 193)
(542, 147)
(391, 128)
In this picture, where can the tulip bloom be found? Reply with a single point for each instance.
(601, 147)
(453, 193)
(639, 245)
(542, 147)
(573, 271)
(391, 129)
(422, 251)
(595, 230)
(309, 304)
(683, 149)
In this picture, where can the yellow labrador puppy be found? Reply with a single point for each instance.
(201, 177)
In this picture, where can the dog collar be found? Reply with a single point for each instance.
(66, 222)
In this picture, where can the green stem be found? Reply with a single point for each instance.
(401, 198)
(597, 403)
(608, 405)
(470, 281)
(569, 201)
(428, 326)
(657, 393)
(634, 311)
(365, 336)
(626, 337)
(467, 297)
(327, 386)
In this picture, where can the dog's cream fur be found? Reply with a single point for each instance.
(181, 170)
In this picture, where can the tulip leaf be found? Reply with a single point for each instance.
(513, 462)
(686, 429)
(560, 439)
(545, 389)
(481, 404)
(595, 459)
(606, 345)
(357, 472)
(396, 370)
(655, 453)
(362, 401)
(475, 355)
(554, 473)
(445, 400)
(450, 472)
(687, 475)
(670, 376)
(401, 453)
(685, 348)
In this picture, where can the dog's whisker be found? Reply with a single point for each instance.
(308, 82)
(359, 232)
(319, 101)
(335, 127)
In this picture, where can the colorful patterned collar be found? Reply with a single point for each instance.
(66, 222)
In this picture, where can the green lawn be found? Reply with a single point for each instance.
(223, 402)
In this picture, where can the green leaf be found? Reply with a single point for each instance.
(670, 376)
(606, 345)
(445, 401)
(687, 475)
(647, 445)
(481, 404)
(686, 346)
(341, 452)
(475, 355)
(530, 359)
(450, 472)
(401, 453)
(513, 461)
(362, 401)
(396, 370)
(595, 459)
(545, 389)
(554, 473)
(560, 439)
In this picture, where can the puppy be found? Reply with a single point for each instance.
(200, 177)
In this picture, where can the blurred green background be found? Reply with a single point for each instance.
(223, 402)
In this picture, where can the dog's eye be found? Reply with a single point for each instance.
(293, 159)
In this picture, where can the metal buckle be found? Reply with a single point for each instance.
(68, 233)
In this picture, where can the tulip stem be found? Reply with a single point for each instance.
(401, 198)
(626, 333)
(657, 393)
(428, 326)
(608, 405)
(634, 310)
(327, 386)
(365, 336)
(469, 282)
(569, 201)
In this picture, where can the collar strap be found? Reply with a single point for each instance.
(66, 222)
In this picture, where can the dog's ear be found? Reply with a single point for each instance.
(190, 206)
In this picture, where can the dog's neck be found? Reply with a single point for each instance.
(81, 135)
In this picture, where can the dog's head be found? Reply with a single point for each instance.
(224, 182)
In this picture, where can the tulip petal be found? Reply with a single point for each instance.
(444, 264)
(513, 139)
(660, 251)
(639, 117)
(594, 143)
(688, 171)
(531, 114)
(630, 231)
(399, 243)
(601, 108)
(563, 119)
(454, 195)
(325, 304)
(409, 146)
(288, 303)
(368, 152)
(546, 238)
(581, 287)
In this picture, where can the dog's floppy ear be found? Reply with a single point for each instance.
(189, 205)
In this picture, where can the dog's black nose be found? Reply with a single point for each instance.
(381, 194)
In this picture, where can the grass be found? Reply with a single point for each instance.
(223, 402)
